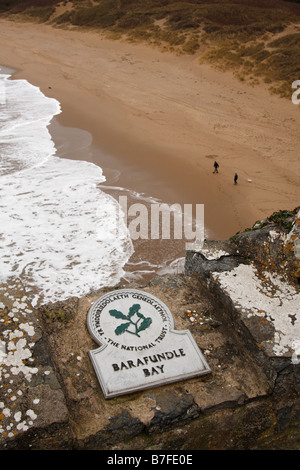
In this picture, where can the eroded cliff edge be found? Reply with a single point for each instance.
(240, 298)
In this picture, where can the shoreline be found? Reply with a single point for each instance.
(164, 133)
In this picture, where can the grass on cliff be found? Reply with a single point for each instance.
(249, 37)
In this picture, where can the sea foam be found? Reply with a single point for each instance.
(57, 228)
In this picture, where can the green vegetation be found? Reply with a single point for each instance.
(276, 62)
(19, 6)
(283, 219)
(60, 312)
(39, 14)
(249, 37)
(58, 315)
(39, 11)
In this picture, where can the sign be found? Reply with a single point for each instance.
(139, 346)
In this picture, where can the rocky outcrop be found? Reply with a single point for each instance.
(240, 300)
(256, 275)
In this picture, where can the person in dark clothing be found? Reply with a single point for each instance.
(216, 165)
(235, 178)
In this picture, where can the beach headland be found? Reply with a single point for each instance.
(162, 120)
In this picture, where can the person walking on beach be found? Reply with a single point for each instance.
(235, 178)
(216, 165)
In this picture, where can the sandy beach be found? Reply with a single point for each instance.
(162, 120)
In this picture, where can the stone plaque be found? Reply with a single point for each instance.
(139, 346)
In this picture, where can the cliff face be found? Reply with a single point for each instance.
(256, 275)
(240, 300)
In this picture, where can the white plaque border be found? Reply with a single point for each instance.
(158, 382)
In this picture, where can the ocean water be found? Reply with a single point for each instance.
(57, 227)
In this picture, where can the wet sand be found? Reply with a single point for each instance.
(159, 121)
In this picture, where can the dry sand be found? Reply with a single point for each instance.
(163, 119)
